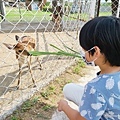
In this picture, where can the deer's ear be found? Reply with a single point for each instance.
(9, 46)
(17, 37)
(32, 45)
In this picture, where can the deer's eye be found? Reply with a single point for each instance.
(19, 51)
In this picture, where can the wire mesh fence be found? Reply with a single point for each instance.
(47, 22)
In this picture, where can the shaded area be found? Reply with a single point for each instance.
(40, 111)
(9, 78)
(22, 27)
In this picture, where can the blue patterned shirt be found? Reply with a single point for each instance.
(101, 98)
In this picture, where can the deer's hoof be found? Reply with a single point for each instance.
(34, 86)
(40, 68)
(17, 87)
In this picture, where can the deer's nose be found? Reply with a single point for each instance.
(29, 54)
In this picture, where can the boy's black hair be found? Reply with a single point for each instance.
(103, 32)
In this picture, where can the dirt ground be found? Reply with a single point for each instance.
(53, 66)
(44, 103)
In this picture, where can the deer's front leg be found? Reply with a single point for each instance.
(29, 67)
(19, 75)
(39, 63)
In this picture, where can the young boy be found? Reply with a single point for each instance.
(100, 98)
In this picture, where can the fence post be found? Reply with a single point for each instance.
(2, 9)
(63, 9)
(118, 10)
(92, 8)
(98, 8)
(37, 41)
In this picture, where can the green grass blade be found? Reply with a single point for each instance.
(62, 53)
(66, 47)
(70, 54)
(38, 53)
(56, 47)
(72, 50)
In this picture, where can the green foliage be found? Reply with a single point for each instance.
(47, 3)
(45, 94)
(45, 9)
(14, 118)
(46, 107)
(80, 64)
(49, 91)
(28, 104)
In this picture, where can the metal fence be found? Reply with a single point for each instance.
(47, 25)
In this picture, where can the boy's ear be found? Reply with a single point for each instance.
(97, 51)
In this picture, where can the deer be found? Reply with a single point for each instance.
(22, 47)
(57, 13)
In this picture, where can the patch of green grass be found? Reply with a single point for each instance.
(105, 13)
(14, 118)
(43, 117)
(46, 107)
(77, 68)
(49, 91)
(28, 104)
(13, 15)
(45, 94)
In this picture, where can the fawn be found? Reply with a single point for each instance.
(57, 13)
(22, 48)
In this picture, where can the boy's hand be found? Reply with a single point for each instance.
(62, 104)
